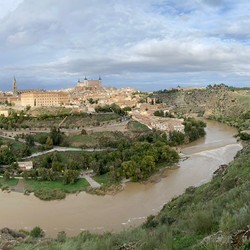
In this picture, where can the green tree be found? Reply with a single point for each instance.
(29, 140)
(49, 142)
(70, 176)
(6, 175)
(26, 151)
(176, 138)
(7, 156)
(56, 136)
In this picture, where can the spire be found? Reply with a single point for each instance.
(14, 87)
(85, 78)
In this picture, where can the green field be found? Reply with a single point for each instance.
(72, 121)
(135, 126)
(9, 183)
(35, 185)
(98, 139)
(104, 179)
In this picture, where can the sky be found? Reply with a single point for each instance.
(148, 44)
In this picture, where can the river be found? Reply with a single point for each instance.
(129, 207)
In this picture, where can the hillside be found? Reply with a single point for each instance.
(215, 102)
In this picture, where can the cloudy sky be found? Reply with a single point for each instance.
(148, 44)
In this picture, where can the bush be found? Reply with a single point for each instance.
(244, 136)
(151, 222)
(202, 222)
(47, 194)
(37, 232)
(61, 236)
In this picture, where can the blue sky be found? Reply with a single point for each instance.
(149, 44)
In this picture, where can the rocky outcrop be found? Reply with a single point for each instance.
(10, 238)
(221, 171)
(227, 241)
(240, 237)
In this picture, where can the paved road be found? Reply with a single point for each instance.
(91, 181)
(19, 139)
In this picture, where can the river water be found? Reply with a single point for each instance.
(129, 207)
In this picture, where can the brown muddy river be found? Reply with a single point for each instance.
(131, 206)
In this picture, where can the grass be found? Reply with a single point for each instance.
(135, 126)
(72, 121)
(10, 183)
(98, 139)
(64, 157)
(104, 179)
(35, 185)
(54, 190)
(16, 145)
(82, 141)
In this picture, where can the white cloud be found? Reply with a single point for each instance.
(124, 40)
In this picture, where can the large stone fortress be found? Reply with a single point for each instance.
(89, 83)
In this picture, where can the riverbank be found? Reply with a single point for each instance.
(197, 219)
(130, 207)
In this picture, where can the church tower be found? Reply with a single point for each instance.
(14, 87)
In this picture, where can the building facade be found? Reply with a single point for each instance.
(90, 83)
(44, 99)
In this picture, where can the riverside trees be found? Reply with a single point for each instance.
(194, 129)
(136, 158)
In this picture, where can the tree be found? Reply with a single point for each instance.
(6, 175)
(194, 128)
(26, 151)
(6, 156)
(49, 143)
(70, 176)
(176, 138)
(56, 136)
(29, 140)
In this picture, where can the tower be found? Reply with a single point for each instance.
(100, 82)
(14, 87)
(85, 82)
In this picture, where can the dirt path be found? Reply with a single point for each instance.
(20, 187)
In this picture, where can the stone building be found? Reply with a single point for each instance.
(25, 165)
(44, 98)
(4, 112)
(90, 83)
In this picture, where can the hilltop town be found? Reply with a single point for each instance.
(86, 96)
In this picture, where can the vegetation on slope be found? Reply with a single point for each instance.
(214, 210)
(218, 102)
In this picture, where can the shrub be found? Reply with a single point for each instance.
(37, 232)
(202, 222)
(47, 194)
(151, 222)
(61, 236)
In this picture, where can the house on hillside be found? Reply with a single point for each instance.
(25, 165)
